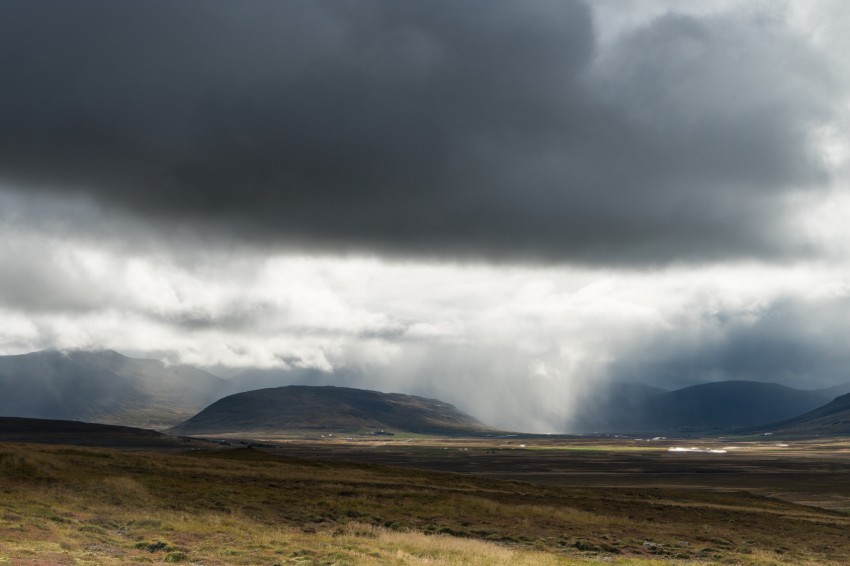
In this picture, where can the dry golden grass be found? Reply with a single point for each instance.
(62, 505)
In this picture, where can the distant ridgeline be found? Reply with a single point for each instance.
(724, 405)
(103, 387)
(107, 387)
(833, 419)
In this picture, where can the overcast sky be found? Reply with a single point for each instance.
(500, 204)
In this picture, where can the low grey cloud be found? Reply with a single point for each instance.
(236, 317)
(461, 129)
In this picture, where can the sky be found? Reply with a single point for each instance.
(504, 205)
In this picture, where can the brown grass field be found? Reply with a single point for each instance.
(428, 501)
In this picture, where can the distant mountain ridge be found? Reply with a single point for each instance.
(103, 387)
(832, 419)
(107, 387)
(327, 408)
(722, 405)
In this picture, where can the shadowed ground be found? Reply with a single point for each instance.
(579, 501)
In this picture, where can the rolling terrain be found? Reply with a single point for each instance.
(577, 502)
(327, 408)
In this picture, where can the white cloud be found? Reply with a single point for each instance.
(516, 345)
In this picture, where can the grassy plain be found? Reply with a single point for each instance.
(427, 501)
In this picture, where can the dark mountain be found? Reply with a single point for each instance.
(828, 420)
(336, 409)
(103, 387)
(721, 405)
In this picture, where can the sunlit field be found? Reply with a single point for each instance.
(64, 505)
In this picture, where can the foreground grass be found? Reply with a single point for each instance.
(61, 505)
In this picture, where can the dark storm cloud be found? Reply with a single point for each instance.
(476, 128)
(792, 341)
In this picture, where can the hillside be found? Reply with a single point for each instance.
(46, 431)
(828, 420)
(103, 387)
(305, 408)
(721, 405)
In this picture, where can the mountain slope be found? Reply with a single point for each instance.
(102, 386)
(830, 419)
(304, 408)
(721, 405)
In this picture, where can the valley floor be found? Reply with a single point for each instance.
(470, 502)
